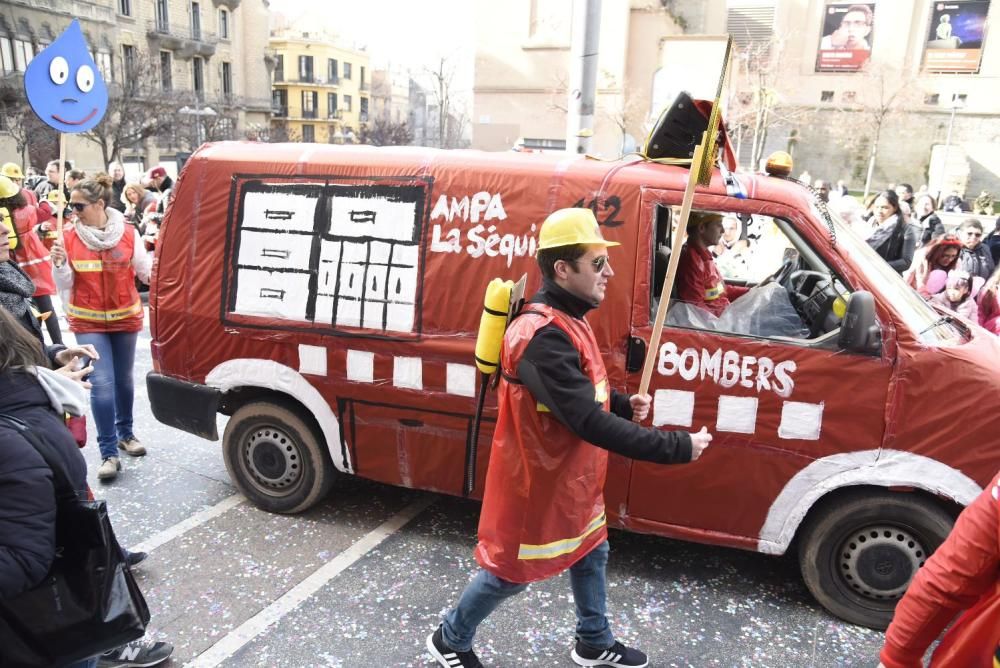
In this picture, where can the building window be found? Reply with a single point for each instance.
(348, 103)
(279, 67)
(364, 84)
(163, 15)
(309, 103)
(6, 54)
(960, 99)
(166, 75)
(125, 7)
(227, 79)
(331, 70)
(347, 70)
(279, 102)
(128, 62)
(826, 96)
(363, 109)
(196, 20)
(103, 61)
(932, 99)
(848, 96)
(305, 68)
(23, 54)
(331, 105)
(308, 133)
(198, 77)
(223, 24)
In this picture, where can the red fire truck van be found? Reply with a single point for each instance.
(327, 299)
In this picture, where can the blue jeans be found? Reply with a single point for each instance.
(486, 592)
(113, 390)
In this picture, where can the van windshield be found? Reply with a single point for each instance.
(929, 326)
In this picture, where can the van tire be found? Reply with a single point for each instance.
(858, 552)
(276, 459)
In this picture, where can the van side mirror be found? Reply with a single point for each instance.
(859, 331)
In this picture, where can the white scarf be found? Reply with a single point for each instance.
(65, 395)
(102, 239)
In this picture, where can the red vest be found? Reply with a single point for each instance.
(962, 573)
(699, 281)
(543, 506)
(104, 297)
(31, 254)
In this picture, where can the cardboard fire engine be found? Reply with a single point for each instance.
(327, 299)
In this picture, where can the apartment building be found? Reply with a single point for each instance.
(321, 92)
(207, 57)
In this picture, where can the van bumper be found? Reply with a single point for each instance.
(190, 407)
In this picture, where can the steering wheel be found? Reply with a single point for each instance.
(782, 274)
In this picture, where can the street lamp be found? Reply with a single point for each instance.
(197, 112)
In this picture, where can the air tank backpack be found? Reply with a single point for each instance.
(89, 601)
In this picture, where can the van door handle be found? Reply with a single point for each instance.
(410, 422)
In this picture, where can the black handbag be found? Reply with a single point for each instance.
(89, 601)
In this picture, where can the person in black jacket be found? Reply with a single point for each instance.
(975, 257)
(931, 226)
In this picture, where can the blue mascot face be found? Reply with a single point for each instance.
(63, 85)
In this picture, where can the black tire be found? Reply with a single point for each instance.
(275, 459)
(859, 552)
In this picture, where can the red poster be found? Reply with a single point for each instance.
(847, 36)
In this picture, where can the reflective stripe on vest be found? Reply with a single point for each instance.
(104, 316)
(600, 396)
(560, 547)
(712, 294)
(88, 265)
(31, 263)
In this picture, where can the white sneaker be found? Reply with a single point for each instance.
(109, 468)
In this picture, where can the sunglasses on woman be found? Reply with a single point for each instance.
(79, 206)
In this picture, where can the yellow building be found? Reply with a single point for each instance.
(320, 91)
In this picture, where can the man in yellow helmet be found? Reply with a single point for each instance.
(543, 505)
(699, 281)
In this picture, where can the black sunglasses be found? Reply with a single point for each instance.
(79, 206)
(597, 263)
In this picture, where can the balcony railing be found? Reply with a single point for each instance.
(190, 40)
(335, 115)
(279, 111)
(309, 113)
(363, 116)
(364, 86)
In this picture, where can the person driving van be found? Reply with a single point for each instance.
(699, 281)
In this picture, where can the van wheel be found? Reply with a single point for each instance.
(859, 554)
(275, 459)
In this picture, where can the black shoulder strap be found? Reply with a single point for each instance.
(64, 489)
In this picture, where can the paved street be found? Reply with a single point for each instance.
(363, 578)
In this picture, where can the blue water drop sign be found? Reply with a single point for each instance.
(64, 86)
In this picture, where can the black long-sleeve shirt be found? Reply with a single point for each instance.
(552, 372)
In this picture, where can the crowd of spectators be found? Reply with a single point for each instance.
(955, 268)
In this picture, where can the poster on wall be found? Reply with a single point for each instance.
(846, 41)
(955, 38)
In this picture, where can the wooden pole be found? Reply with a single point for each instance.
(680, 236)
(62, 180)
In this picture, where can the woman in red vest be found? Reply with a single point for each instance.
(98, 263)
(962, 576)
(31, 255)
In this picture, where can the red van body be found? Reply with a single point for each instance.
(327, 298)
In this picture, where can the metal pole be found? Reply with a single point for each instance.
(583, 74)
